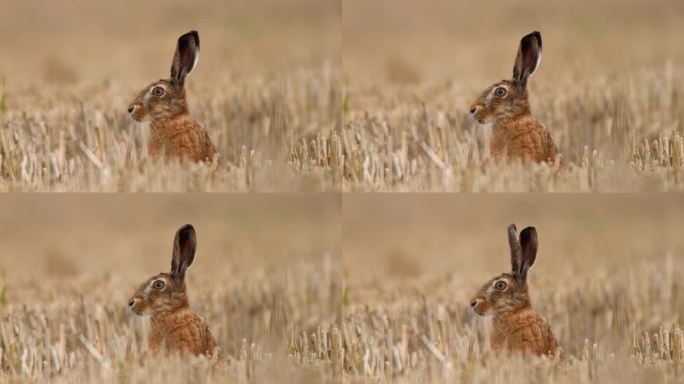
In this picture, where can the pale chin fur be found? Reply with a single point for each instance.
(145, 312)
(145, 119)
(489, 313)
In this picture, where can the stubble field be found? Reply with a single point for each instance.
(608, 89)
(266, 278)
(266, 88)
(607, 278)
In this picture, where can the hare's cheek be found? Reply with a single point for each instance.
(138, 113)
(138, 307)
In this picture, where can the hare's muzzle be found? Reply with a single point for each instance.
(136, 112)
(136, 305)
(478, 305)
(477, 112)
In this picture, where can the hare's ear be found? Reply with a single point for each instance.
(184, 245)
(528, 245)
(528, 58)
(516, 260)
(186, 56)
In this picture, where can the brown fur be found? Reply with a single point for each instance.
(174, 326)
(174, 133)
(515, 132)
(516, 326)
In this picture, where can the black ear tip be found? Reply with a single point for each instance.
(529, 233)
(185, 232)
(533, 35)
(537, 34)
(192, 34)
(195, 36)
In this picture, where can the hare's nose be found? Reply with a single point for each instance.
(473, 110)
(131, 303)
(130, 109)
(473, 303)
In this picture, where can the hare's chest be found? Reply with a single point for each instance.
(174, 140)
(519, 141)
(156, 340)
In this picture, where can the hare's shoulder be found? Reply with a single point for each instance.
(190, 330)
(532, 332)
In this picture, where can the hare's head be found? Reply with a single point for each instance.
(508, 291)
(507, 99)
(166, 291)
(166, 98)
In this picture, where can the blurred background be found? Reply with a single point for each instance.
(266, 273)
(608, 89)
(607, 278)
(409, 42)
(460, 240)
(79, 40)
(266, 85)
(54, 244)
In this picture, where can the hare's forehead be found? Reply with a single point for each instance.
(167, 85)
(165, 277)
(506, 277)
(506, 84)
(488, 92)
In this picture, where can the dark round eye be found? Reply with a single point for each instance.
(157, 91)
(501, 91)
(500, 285)
(158, 284)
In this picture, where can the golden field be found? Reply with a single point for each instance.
(324, 96)
(266, 278)
(366, 288)
(608, 89)
(266, 87)
(607, 278)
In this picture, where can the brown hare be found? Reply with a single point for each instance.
(173, 132)
(515, 132)
(174, 326)
(516, 326)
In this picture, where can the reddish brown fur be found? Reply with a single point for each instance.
(174, 132)
(515, 132)
(525, 331)
(516, 326)
(183, 330)
(174, 326)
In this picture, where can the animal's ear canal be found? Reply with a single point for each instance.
(184, 246)
(515, 249)
(186, 56)
(528, 244)
(528, 58)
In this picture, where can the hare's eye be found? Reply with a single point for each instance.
(500, 285)
(158, 284)
(157, 91)
(501, 91)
